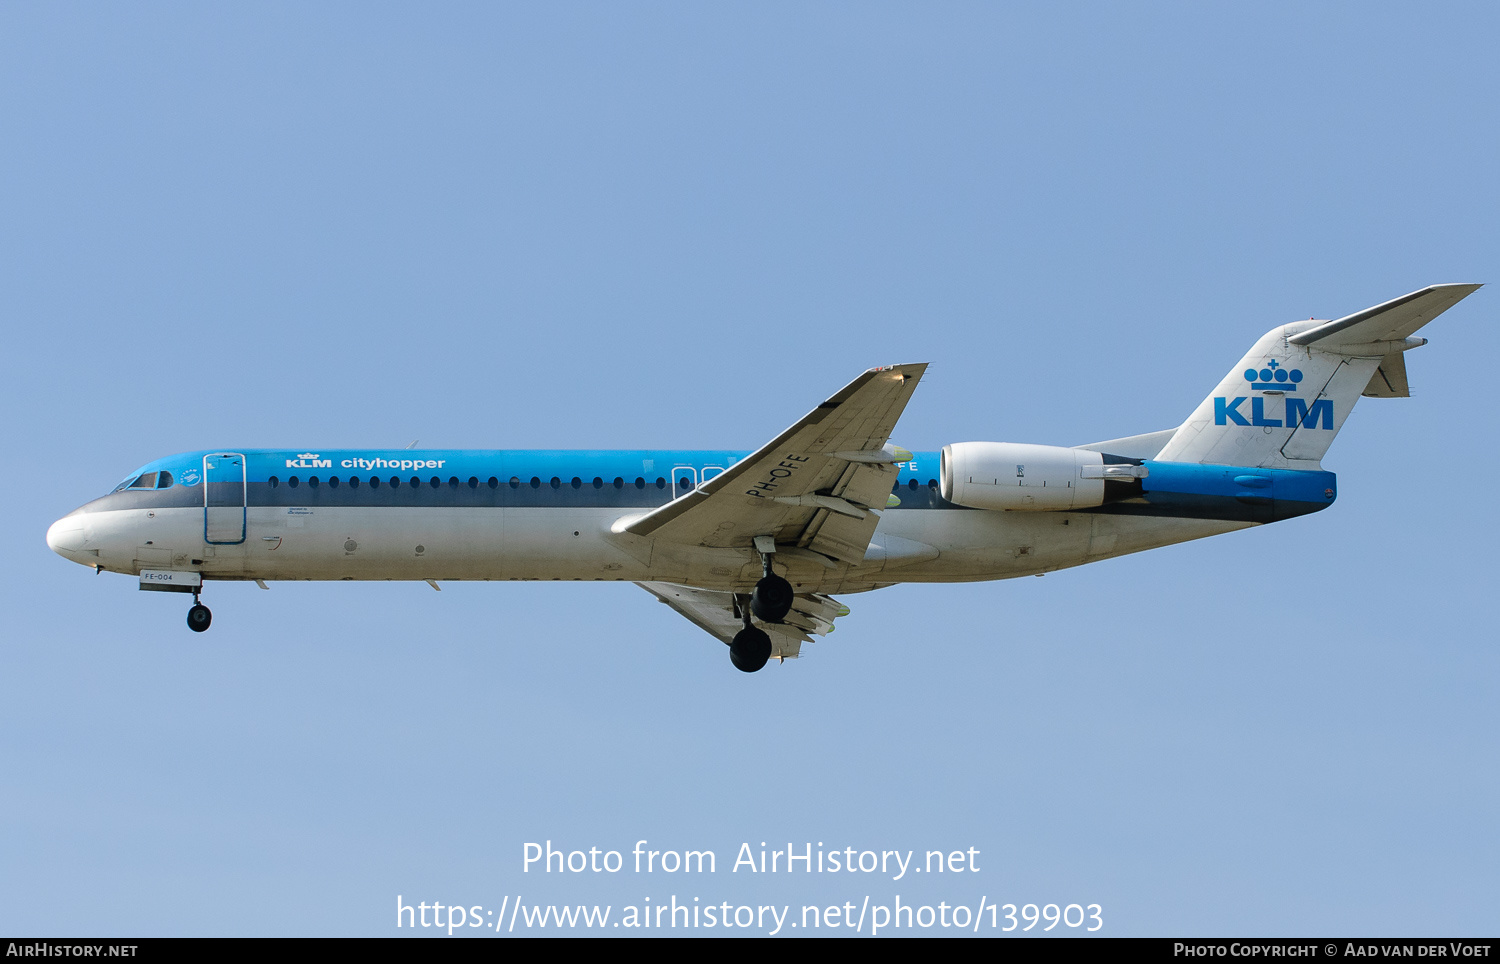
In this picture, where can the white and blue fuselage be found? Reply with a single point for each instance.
(527, 515)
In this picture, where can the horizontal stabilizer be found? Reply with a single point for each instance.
(1395, 320)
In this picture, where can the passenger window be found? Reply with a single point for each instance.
(556, 482)
(932, 483)
(353, 481)
(515, 481)
(313, 481)
(685, 482)
(452, 481)
(395, 481)
(536, 483)
(164, 481)
(640, 483)
(598, 482)
(146, 481)
(619, 482)
(333, 481)
(291, 482)
(473, 482)
(912, 485)
(577, 482)
(494, 482)
(274, 481)
(661, 483)
(414, 482)
(374, 482)
(434, 483)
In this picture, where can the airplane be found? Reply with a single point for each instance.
(752, 546)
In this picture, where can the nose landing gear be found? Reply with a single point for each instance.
(199, 617)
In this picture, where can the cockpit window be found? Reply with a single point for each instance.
(148, 480)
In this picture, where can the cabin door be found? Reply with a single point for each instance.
(684, 479)
(224, 498)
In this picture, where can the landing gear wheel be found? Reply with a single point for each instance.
(199, 617)
(750, 650)
(772, 599)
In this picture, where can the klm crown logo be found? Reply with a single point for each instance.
(309, 460)
(1275, 380)
(1274, 377)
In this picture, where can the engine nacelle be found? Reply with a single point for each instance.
(1012, 475)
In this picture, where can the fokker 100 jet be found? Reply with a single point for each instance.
(751, 546)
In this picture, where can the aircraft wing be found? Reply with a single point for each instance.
(718, 613)
(818, 487)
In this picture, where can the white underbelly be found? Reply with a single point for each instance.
(525, 543)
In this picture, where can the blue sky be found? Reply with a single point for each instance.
(601, 226)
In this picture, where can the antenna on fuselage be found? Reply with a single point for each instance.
(413, 444)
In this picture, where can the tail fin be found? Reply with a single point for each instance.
(1282, 405)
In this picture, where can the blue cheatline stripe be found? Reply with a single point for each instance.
(444, 477)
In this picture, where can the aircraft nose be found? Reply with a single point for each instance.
(66, 536)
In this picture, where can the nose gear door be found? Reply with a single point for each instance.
(224, 499)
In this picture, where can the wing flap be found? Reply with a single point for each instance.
(868, 484)
(716, 613)
(840, 536)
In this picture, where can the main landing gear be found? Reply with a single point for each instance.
(773, 595)
(751, 648)
(772, 598)
(199, 617)
(770, 602)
